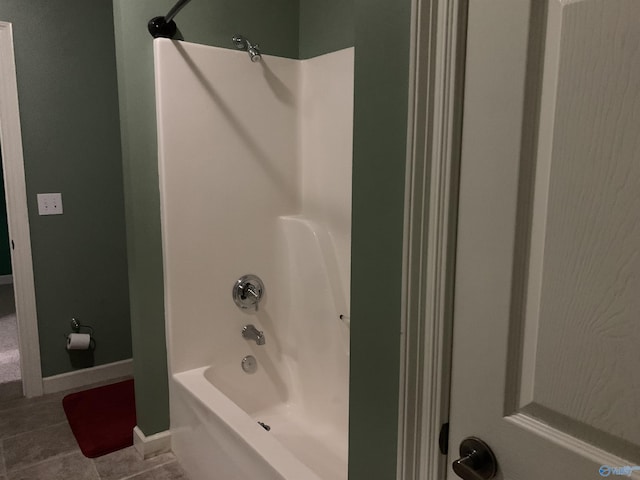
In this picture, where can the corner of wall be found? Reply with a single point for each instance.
(149, 446)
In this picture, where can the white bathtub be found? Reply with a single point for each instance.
(300, 388)
(217, 440)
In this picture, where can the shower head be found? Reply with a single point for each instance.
(254, 53)
(242, 43)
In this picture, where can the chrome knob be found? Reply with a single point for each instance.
(248, 291)
(476, 462)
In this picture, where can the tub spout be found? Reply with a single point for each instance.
(250, 332)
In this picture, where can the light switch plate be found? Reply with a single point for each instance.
(49, 203)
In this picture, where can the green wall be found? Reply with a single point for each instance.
(325, 26)
(65, 62)
(271, 23)
(380, 139)
(5, 250)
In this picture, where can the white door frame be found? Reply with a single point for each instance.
(18, 218)
(433, 134)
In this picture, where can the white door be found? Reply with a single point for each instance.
(546, 349)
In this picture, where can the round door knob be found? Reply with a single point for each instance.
(476, 462)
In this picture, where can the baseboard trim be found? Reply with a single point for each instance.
(149, 446)
(6, 279)
(87, 376)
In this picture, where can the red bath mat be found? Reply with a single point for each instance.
(102, 419)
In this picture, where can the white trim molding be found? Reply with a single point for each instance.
(434, 128)
(152, 445)
(18, 217)
(87, 376)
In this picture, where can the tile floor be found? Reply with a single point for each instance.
(36, 443)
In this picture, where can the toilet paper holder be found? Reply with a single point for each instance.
(76, 326)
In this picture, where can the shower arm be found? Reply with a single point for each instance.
(165, 26)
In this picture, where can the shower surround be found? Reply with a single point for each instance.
(255, 178)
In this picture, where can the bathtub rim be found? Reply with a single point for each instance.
(242, 425)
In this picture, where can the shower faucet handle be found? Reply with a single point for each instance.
(248, 291)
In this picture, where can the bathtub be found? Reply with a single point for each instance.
(216, 439)
(300, 387)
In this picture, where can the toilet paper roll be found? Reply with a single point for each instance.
(78, 341)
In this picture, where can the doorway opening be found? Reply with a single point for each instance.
(10, 374)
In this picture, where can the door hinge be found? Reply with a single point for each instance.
(443, 438)
(13, 245)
